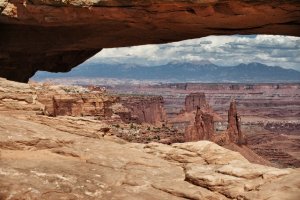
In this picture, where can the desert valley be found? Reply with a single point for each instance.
(268, 116)
(74, 142)
(149, 100)
(269, 113)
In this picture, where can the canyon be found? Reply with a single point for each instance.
(269, 114)
(58, 35)
(264, 128)
(80, 157)
(162, 141)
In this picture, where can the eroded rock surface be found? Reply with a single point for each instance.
(143, 109)
(77, 104)
(234, 125)
(54, 100)
(58, 35)
(233, 134)
(269, 113)
(69, 157)
(202, 128)
(195, 100)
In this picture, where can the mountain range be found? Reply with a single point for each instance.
(200, 71)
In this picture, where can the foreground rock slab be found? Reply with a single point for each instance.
(39, 161)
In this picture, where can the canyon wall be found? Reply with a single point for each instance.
(202, 128)
(261, 100)
(195, 100)
(58, 35)
(143, 109)
(269, 113)
(55, 101)
(77, 104)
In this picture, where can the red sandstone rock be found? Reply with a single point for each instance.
(195, 100)
(203, 127)
(274, 138)
(81, 104)
(143, 109)
(58, 35)
(234, 132)
(275, 100)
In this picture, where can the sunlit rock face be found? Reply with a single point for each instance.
(58, 35)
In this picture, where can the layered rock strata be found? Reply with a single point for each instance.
(56, 100)
(77, 104)
(143, 109)
(58, 35)
(195, 100)
(269, 114)
(50, 163)
(53, 100)
(202, 128)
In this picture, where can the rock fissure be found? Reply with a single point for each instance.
(203, 186)
(175, 193)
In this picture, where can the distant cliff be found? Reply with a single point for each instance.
(143, 109)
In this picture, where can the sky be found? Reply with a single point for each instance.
(283, 51)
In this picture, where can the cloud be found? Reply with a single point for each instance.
(272, 50)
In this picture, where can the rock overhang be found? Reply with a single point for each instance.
(58, 35)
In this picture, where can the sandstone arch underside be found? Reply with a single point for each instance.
(57, 35)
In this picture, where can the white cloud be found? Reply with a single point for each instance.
(273, 50)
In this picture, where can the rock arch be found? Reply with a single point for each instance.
(58, 35)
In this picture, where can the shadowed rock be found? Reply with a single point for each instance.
(58, 35)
